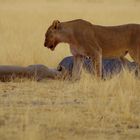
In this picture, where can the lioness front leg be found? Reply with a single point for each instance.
(97, 64)
(77, 67)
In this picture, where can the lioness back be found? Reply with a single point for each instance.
(115, 41)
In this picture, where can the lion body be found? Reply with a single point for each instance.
(36, 72)
(114, 41)
(97, 42)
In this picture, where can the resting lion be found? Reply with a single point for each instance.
(36, 72)
(39, 72)
(94, 41)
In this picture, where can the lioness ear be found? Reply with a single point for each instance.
(55, 24)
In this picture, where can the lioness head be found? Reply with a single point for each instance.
(51, 36)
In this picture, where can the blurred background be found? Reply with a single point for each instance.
(23, 25)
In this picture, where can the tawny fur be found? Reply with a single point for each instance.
(95, 41)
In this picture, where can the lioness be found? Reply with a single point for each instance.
(95, 41)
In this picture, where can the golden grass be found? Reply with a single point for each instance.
(62, 110)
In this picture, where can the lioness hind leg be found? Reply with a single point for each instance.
(77, 67)
(135, 54)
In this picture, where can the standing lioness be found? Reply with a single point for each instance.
(95, 41)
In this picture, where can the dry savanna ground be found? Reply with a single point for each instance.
(61, 110)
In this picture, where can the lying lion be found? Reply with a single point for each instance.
(64, 70)
(35, 72)
(94, 41)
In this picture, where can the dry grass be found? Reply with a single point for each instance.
(62, 110)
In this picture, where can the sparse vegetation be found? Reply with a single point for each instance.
(62, 110)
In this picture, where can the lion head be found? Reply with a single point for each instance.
(51, 36)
